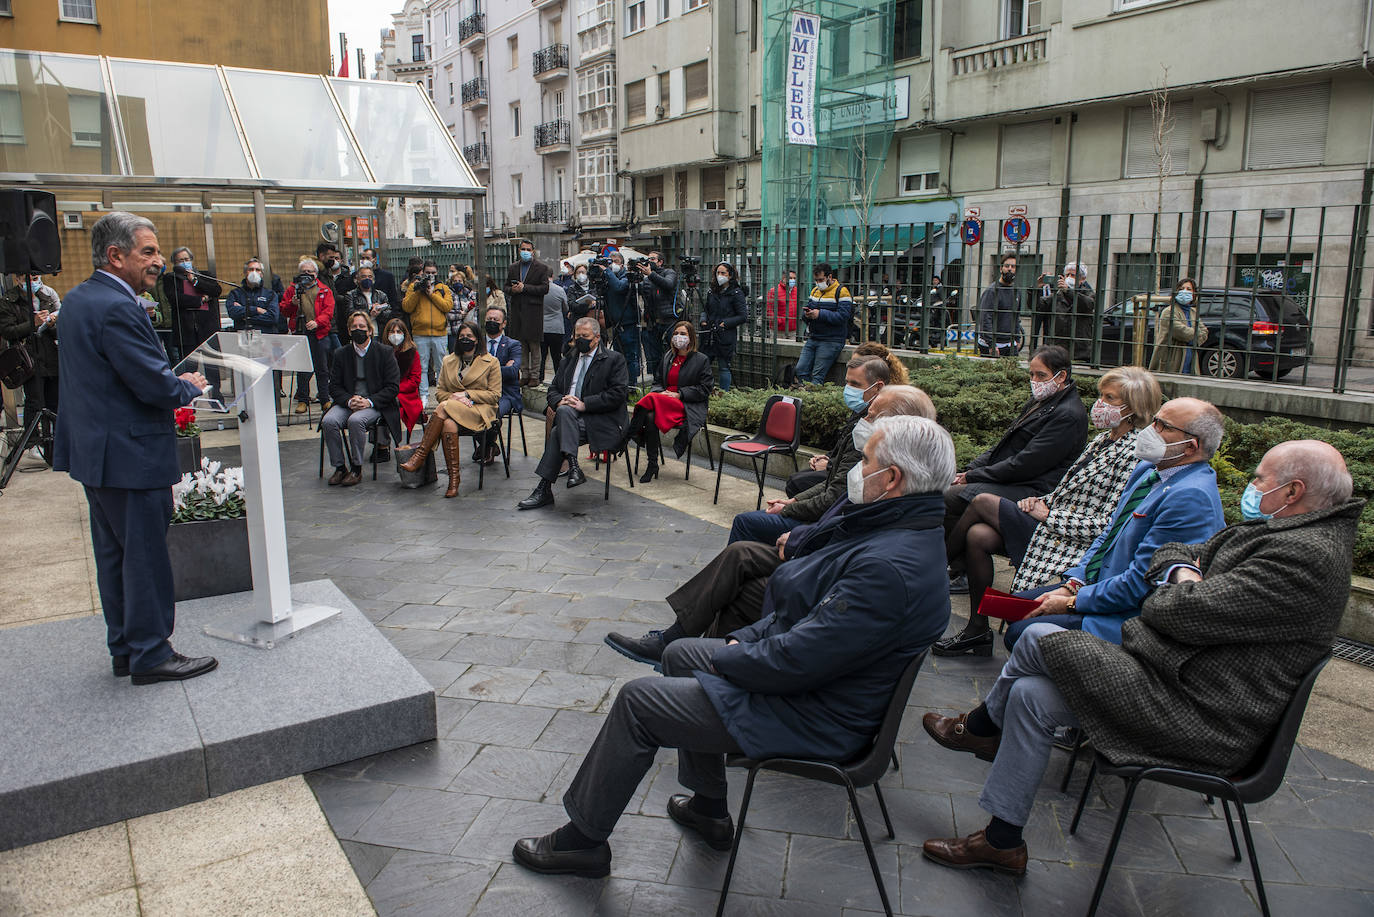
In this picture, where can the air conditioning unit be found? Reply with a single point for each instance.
(71, 221)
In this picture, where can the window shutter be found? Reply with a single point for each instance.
(920, 154)
(1026, 153)
(1288, 127)
(1140, 141)
(634, 102)
(694, 75)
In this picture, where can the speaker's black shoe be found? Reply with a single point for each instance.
(717, 832)
(538, 854)
(176, 668)
(965, 644)
(120, 666)
(576, 475)
(647, 649)
(541, 496)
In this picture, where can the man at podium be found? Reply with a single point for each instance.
(115, 435)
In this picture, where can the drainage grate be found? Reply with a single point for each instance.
(1355, 652)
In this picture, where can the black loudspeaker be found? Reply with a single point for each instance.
(29, 240)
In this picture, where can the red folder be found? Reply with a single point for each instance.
(997, 604)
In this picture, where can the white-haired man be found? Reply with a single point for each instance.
(813, 677)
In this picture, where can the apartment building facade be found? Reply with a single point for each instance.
(407, 55)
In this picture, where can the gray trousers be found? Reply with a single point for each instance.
(357, 422)
(648, 714)
(1029, 708)
(569, 431)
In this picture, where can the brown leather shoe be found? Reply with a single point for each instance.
(974, 852)
(352, 478)
(952, 733)
(453, 457)
(337, 477)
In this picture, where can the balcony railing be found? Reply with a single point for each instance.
(1000, 55)
(486, 219)
(475, 91)
(554, 57)
(473, 25)
(552, 133)
(552, 211)
(478, 155)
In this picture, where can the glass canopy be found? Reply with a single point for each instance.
(77, 119)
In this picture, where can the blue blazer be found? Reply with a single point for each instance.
(509, 349)
(117, 390)
(1186, 508)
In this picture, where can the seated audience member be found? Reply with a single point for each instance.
(309, 308)
(812, 678)
(1033, 454)
(468, 390)
(408, 364)
(509, 356)
(896, 369)
(1199, 680)
(253, 304)
(728, 592)
(363, 383)
(682, 386)
(1044, 536)
(367, 296)
(586, 403)
(1170, 496)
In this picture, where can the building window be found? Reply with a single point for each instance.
(689, 5)
(592, 13)
(517, 190)
(1020, 17)
(680, 191)
(450, 89)
(11, 117)
(634, 16)
(596, 99)
(559, 105)
(85, 114)
(665, 95)
(664, 10)
(1142, 159)
(421, 224)
(448, 36)
(595, 27)
(753, 129)
(417, 48)
(515, 119)
(919, 161)
(653, 195)
(1119, 5)
(634, 102)
(1288, 127)
(1026, 153)
(76, 10)
(694, 78)
(713, 188)
(596, 168)
(839, 49)
(513, 46)
(906, 31)
(5, 11)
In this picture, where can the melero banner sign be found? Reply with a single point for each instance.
(801, 79)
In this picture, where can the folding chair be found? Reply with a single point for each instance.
(510, 417)
(608, 459)
(688, 460)
(779, 434)
(495, 429)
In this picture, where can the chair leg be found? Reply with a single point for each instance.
(734, 847)
(758, 504)
(482, 459)
(501, 443)
(1254, 860)
(321, 453)
(1231, 828)
(868, 846)
(523, 447)
(882, 807)
(1083, 797)
(1111, 848)
(1077, 741)
(896, 765)
(607, 495)
(719, 470)
(629, 475)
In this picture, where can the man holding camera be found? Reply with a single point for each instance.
(657, 303)
(427, 302)
(622, 312)
(527, 280)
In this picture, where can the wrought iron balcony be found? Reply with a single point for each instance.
(478, 155)
(551, 62)
(475, 92)
(552, 211)
(551, 135)
(471, 27)
(486, 219)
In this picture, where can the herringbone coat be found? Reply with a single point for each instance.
(1202, 677)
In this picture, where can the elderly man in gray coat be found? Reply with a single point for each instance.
(1248, 613)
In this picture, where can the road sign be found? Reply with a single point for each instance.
(971, 232)
(1016, 230)
(972, 213)
(1018, 210)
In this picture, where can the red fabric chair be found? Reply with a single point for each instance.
(779, 434)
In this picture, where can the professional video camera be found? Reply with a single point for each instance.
(689, 270)
(637, 269)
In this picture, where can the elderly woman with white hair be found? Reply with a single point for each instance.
(1065, 311)
(309, 310)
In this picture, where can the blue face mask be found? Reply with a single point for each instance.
(1250, 502)
(854, 397)
(526, 255)
(1184, 297)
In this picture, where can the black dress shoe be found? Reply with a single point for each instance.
(576, 476)
(176, 668)
(120, 666)
(965, 644)
(719, 833)
(647, 649)
(537, 853)
(958, 585)
(541, 496)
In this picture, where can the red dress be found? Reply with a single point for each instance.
(669, 413)
(408, 399)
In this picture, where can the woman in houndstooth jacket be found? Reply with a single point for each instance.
(1043, 536)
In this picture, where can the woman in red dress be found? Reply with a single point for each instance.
(682, 387)
(407, 361)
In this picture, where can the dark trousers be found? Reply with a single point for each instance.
(569, 431)
(133, 571)
(649, 714)
(803, 480)
(195, 328)
(728, 592)
(320, 362)
(40, 392)
(651, 338)
(552, 349)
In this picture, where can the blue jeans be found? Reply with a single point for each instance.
(627, 338)
(816, 359)
(1016, 628)
(725, 377)
(760, 526)
(430, 347)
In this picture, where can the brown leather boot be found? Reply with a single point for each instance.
(453, 457)
(432, 431)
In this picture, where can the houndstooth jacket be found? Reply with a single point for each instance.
(1080, 508)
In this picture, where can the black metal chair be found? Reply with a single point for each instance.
(639, 448)
(608, 458)
(343, 432)
(510, 418)
(863, 771)
(1255, 782)
(779, 434)
(493, 430)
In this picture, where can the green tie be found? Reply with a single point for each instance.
(1142, 490)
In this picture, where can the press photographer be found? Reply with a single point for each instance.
(622, 312)
(727, 307)
(427, 302)
(657, 288)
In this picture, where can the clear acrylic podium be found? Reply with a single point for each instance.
(239, 367)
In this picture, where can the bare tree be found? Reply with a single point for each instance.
(1163, 123)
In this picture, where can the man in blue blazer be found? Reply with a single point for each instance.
(509, 354)
(116, 436)
(1171, 496)
(813, 677)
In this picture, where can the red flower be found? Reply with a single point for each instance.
(185, 417)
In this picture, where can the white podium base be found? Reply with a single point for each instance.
(242, 624)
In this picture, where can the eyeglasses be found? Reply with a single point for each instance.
(1161, 424)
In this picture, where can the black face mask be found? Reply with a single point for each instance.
(1008, 276)
(493, 328)
(359, 336)
(465, 345)
(584, 345)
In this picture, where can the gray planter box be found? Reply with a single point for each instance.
(209, 557)
(188, 454)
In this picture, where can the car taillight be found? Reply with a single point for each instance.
(1265, 328)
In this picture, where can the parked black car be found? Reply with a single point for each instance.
(1249, 332)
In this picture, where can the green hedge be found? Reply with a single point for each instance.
(977, 400)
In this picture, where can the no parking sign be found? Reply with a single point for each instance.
(1016, 230)
(971, 232)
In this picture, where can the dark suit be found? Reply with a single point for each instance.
(508, 349)
(383, 383)
(602, 424)
(526, 309)
(115, 435)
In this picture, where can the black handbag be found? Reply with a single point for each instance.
(16, 366)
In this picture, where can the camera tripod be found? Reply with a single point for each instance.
(37, 431)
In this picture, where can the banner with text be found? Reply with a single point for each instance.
(801, 79)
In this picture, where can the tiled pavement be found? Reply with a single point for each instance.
(505, 612)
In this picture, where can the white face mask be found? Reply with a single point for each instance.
(854, 483)
(791, 282)
(680, 341)
(396, 339)
(862, 431)
(366, 263)
(722, 279)
(1042, 390)
(581, 278)
(1151, 447)
(255, 277)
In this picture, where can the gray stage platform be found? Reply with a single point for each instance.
(80, 748)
